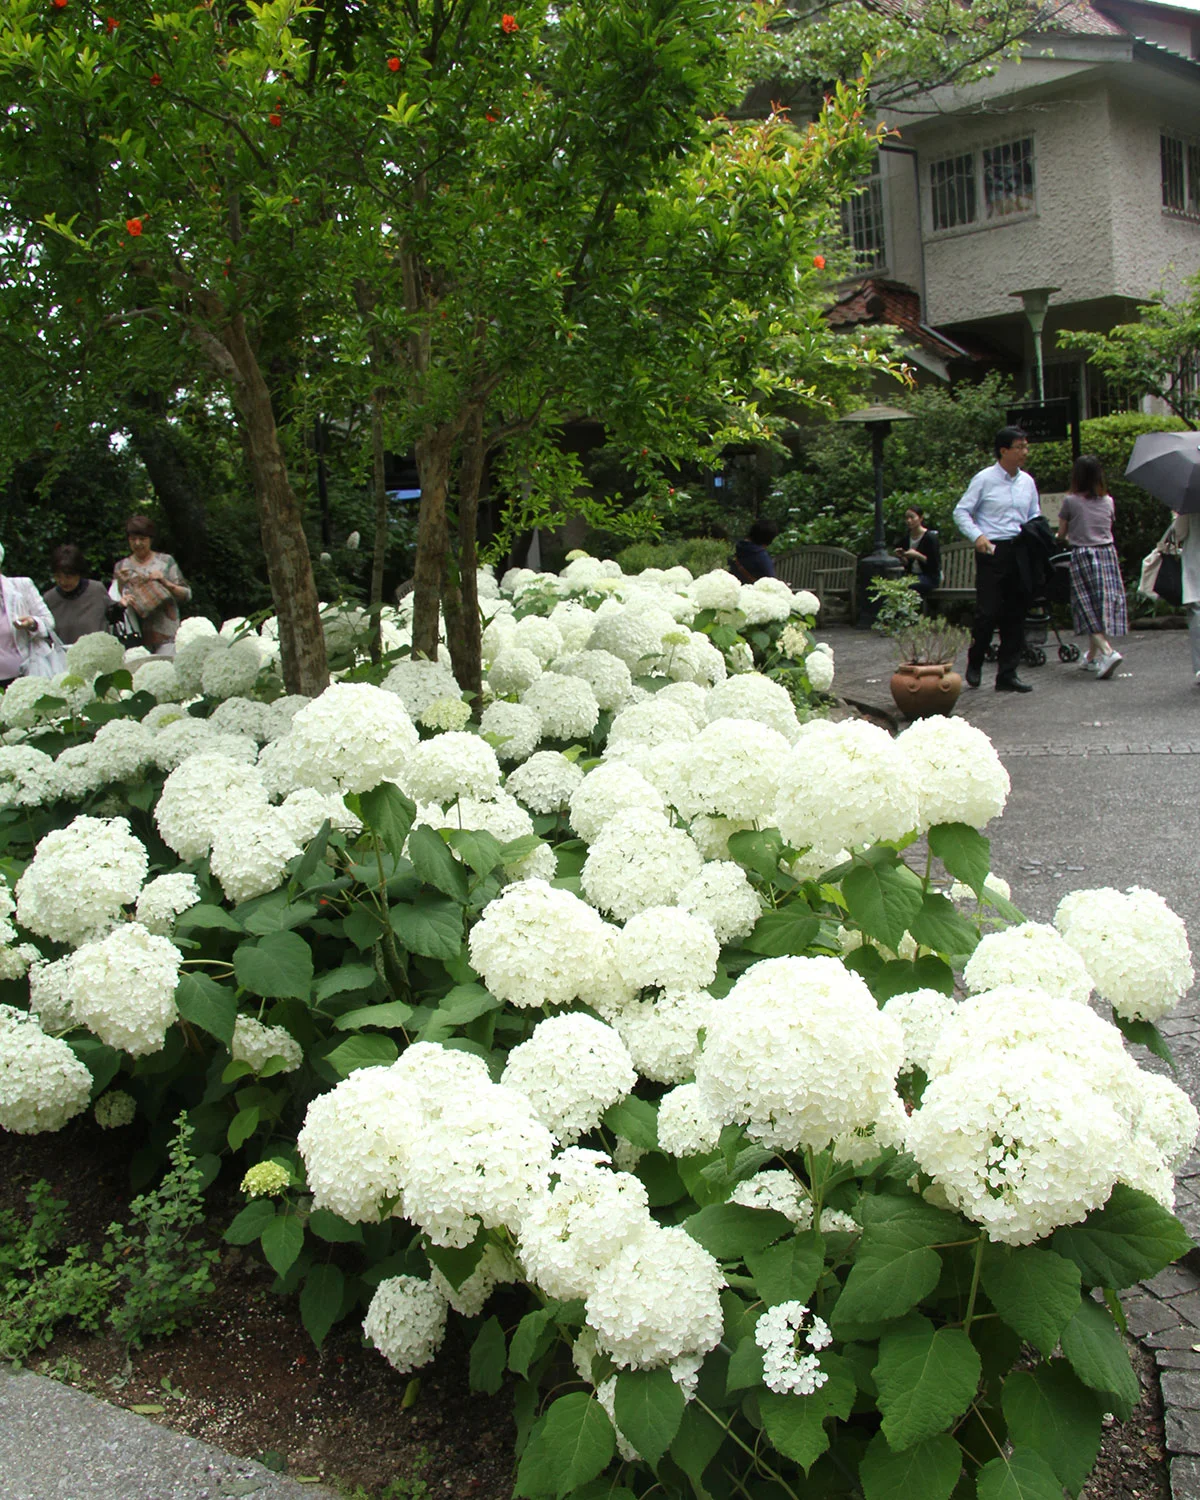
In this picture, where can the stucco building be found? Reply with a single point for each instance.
(1077, 168)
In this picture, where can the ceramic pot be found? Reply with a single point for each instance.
(922, 689)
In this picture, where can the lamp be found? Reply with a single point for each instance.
(880, 563)
(1035, 300)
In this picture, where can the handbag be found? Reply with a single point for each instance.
(1162, 571)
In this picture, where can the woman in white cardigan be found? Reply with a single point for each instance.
(1187, 535)
(28, 644)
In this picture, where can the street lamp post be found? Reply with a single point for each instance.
(880, 563)
(1035, 300)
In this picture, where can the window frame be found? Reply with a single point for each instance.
(965, 180)
(1187, 168)
(863, 213)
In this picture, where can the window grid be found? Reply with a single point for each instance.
(992, 184)
(1008, 178)
(1180, 163)
(953, 184)
(863, 226)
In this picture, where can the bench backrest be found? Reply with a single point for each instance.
(958, 566)
(800, 567)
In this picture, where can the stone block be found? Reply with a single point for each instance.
(1181, 1388)
(1183, 1430)
(1185, 1479)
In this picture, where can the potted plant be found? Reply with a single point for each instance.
(924, 681)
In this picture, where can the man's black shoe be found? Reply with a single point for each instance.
(973, 676)
(1013, 685)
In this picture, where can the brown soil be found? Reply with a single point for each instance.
(246, 1377)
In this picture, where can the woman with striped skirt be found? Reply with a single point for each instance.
(1097, 593)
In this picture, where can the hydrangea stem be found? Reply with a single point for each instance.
(975, 1274)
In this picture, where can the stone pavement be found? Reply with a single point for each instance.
(1105, 791)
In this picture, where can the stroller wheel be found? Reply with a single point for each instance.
(992, 653)
(1068, 653)
(1037, 656)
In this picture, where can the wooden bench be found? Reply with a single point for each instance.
(828, 572)
(958, 573)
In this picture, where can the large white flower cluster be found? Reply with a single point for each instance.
(655, 721)
(514, 669)
(632, 631)
(257, 1044)
(200, 796)
(571, 1070)
(26, 775)
(751, 696)
(537, 946)
(42, 1083)
(1031, 953)
(251, 849)
(406, 1322)
(512, 728)
(957, 774)
(607, 675)
(612, 788)
(658, 1298)
(122, 988)
(351, 738)
(718, 590)
(779, 1332)
(452, 765)
(800, 1053)
(1134, 946)
(231, 670)
(79, 879)
(842, 786)
(163, 899)
(724, 897)
(731, 769)
(545, 782)
(638, 860)
(566, 706)
(96, 653)
(586, 1215)
(419, 683)
(666, 948)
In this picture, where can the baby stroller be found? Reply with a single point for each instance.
(1056, 589)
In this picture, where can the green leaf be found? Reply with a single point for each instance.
(466, 1002)
(250, 1223)
(479, 849)
(242, 1127)
(435, 864)
(1035, 1291)
(570, 1445)
(938, 925)
(278, 966)
(1145, 1034)
(205, 915)
(332, 1228)
(1051, 1411)
(790, 1271)
(1098, 1355)
(758, 851)
(882, 898)
(314, 853)
(928, 1470)
(101, 1061)
(964, 851)
(895, 1266)
(390, 1015)
(321, 1301)
(282, 1240)
(533, 1336)
(362, 927)
(207, 1004)
(430, 926)
(488, 1355)
(345, 980)
(1130, 1239)
(649, 1408)
(788, 930)
(926, 1378)
(362, 1052)
(745, 1366)
(730, 1230)
(1022, 1475)
(796, 1424)
(634, 1120)
(275, 912)
(389, 813)
(513, 851)
(696, 1445)
(457, 1263)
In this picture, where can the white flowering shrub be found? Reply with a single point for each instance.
(629, 999)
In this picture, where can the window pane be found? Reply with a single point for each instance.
(1193, 179)
(953, 189)
(1171, 152)
(1008, 178)
(862, 223)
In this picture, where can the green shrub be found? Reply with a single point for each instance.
(699, 555)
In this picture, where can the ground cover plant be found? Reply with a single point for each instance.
(625, 1024)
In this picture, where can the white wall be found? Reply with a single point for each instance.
(1152, 250)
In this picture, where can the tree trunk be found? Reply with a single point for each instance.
(464, 633)
(379, 485)
(289, 567)
(434, 451)
(173, 476)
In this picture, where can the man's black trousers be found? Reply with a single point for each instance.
(1001, 603)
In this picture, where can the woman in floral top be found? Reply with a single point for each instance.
(151, 586)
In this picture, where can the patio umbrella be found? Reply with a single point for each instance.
(1168, 465)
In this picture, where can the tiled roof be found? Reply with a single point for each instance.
(1079, 17)
(876, 301)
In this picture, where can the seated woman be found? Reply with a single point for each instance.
(751, 560)
(80, 605)
(921, 552)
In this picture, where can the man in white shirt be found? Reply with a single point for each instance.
(996, 504)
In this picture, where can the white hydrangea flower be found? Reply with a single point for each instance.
(571, 1070)
(686, 1123)
(157, 676)
(174, 742)
(303, 811)
(663, 1032)
(445, 714)
(516, 729)
(732, 770)
(779, 1333)
(800, 1052)
(122, 750)
(280, 713)
(656, 1300)
(514, 669)
(232, 671)
(717, 590)
(79, 879)
(449, 766)
(190, 657)
(1165, 1117)
(76, 773)
(351, 738)
(690, 657)
(250, 851)
(95, 654)
(545, 782)
(18, 703)
(994, 885)
(48, 997)
(574, 623)
(780, 1192)
(922, 1016)
(724, 897)
(606, 675)
(608, 789)
(257, 1044)
(804, 602)
(418, 683)
(1134, 946)
(164, 898)
(633, 632)
(753, 696)
(844, 785)
(15, 960)
(711, 835)
(42, 1083)
(406, 1321)
(1031, 953)
(667, 948)
(505, 819)
(958, 776)
(655, 721)
(1019, 1141)
(584, 1217)
(194, 628)
(537, 946)
(201, 795)
(355, 1140)
(565, 705)
(122, 988)
(26, 775)
(541, 636)
(763, 606)
(819, 667)
(637, 861)
(690, 696)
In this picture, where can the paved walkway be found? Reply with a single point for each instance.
(1106, 791)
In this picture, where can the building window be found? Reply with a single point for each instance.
(1180, 162)
(863, 226)
(1000, 178)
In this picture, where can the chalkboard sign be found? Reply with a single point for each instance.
(1043, 421)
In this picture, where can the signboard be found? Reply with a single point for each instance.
(1044, 421)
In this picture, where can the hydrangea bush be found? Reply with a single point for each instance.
(617, 1024)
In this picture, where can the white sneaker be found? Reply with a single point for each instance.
(1087, 665)
(1107, 665)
